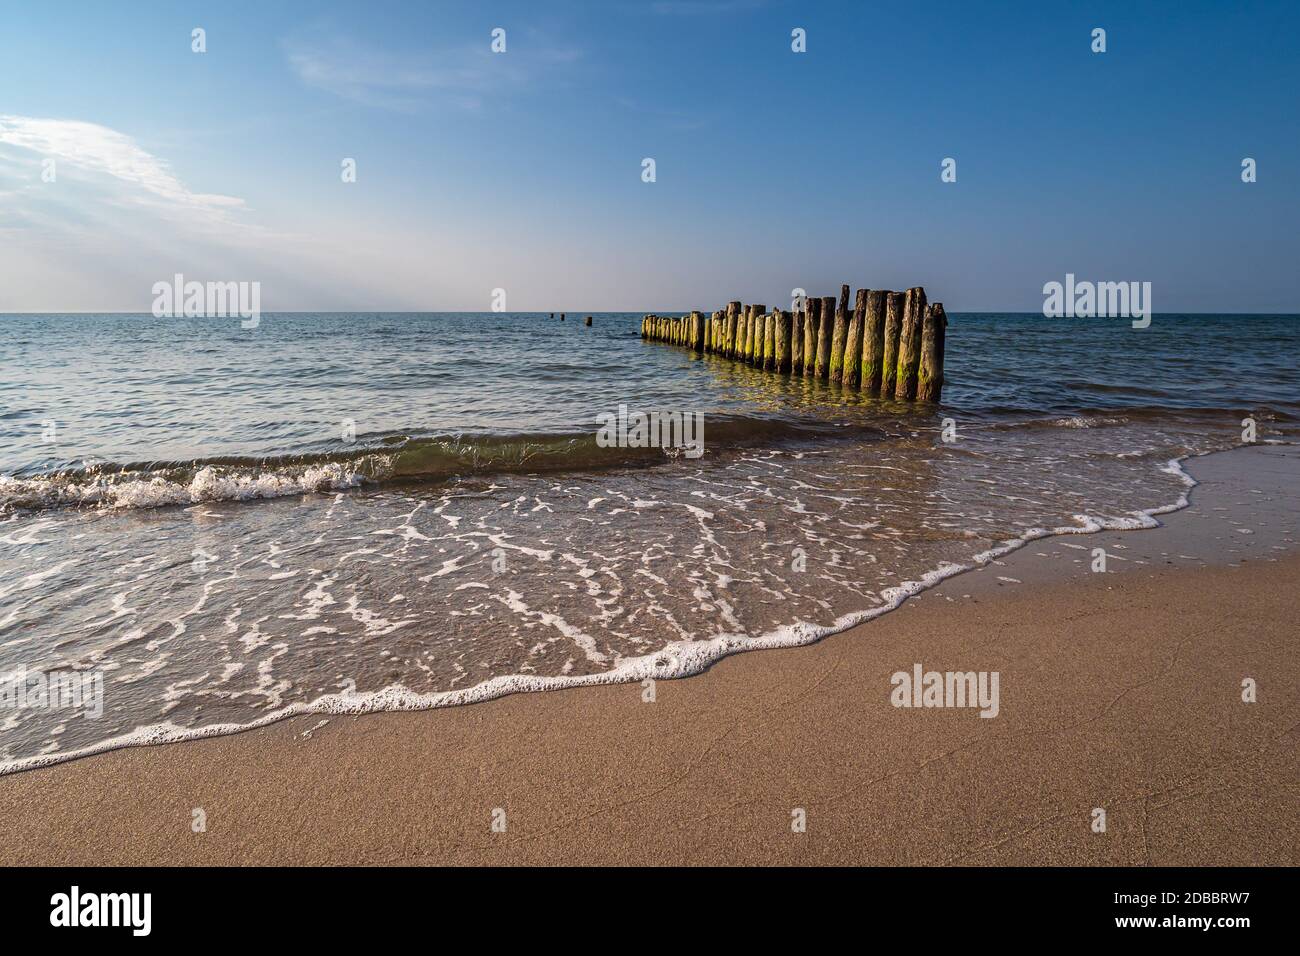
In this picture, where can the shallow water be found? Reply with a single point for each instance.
(196, 531)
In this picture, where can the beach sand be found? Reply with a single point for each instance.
(1119, 690)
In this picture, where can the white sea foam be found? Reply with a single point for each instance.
(677, 659)
(156, 491)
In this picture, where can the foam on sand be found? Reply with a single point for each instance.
(677, 659)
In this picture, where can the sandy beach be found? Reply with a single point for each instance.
(1119, 690)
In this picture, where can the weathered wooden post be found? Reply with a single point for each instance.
(742, 333)
(552, 315)
(769, 341)
(873, 341)
(561, 316)
(589, 320)
(781, 349)
(909, 344)
(853, 341)
(756, 343)
(889, 357)
(825, 320)
(929, 382)
(839, 336)
(811, 322)
(796, 341)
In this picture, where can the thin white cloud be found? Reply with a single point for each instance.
(79, 146)
(461, 77)
(116, 219)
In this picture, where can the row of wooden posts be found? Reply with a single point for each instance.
(891, 344)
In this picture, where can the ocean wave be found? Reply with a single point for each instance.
(387, 458)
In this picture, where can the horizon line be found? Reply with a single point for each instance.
(582, 312)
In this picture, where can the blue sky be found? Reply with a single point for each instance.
(522, 170)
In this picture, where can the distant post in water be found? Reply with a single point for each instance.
(825, 319)
(796, 342)
(589, 320)
(781, 349)
(853, 341)
(756, 343)
(909, 344)
(839, 337)
(873, 341)
(889, 358)
(810, 337)
(929, 382)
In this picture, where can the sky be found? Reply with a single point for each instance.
(522, 170)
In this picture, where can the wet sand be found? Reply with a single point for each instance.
(1119, 690)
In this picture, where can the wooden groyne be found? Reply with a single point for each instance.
(890, 344)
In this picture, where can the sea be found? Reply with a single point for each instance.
(206, 528)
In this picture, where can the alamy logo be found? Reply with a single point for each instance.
(946, 689)
(1084, 300)
(208, 299)
(103, 909)
(62, 690)
(682, 431)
